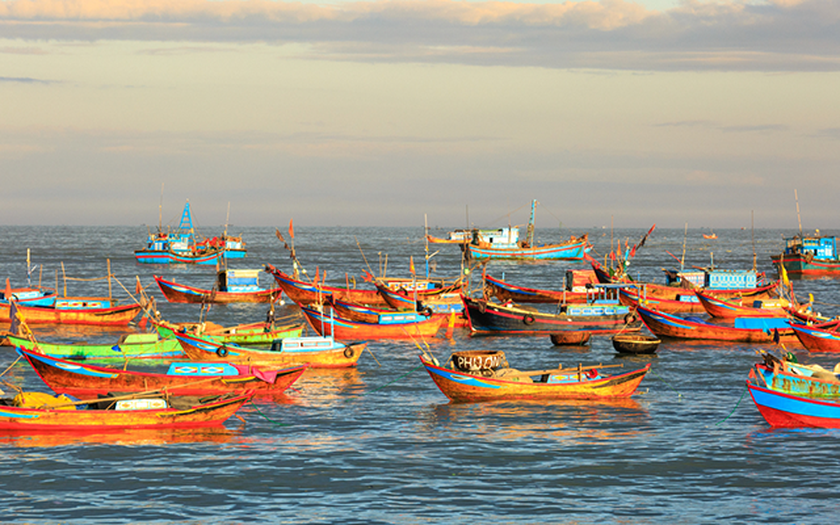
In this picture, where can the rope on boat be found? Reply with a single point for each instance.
(736, 406)
(279, 424)
(666, 382)
(392, 382)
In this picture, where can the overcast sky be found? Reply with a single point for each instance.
(378, 112)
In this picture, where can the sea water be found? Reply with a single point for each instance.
(380, 444)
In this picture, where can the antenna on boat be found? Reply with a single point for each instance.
(530, 232)
(227, 221)
(160, 210)
(755, 257)
(798, 218)
(685, 236)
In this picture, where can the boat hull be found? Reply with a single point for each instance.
(817, 339)
(568, 251)
(463, 387)
(160, 349)
(181, 293)
(348, 330)
(489, 318)
(802, 267)
(66, 377)
(337, 356)
(244, 334)
(35, 419)
(666, 325)
(505, 291)
(305, 294)
(784, 410)
(71, 314)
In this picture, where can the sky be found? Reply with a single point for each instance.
(380, 113)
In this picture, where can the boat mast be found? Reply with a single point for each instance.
(160, 210)
(755, 257)
(685, 236)
(798, 218)
(530, 233)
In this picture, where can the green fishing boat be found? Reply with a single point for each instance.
(129, 346)
(243, 334)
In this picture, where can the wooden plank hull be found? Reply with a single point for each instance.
(791, 379)
(108, 316)
(489, 318)
(199, 415)
(817, 339)
(66, 377)
(348, 330)
(801, 267)
(160, 349)
(464, 387)
(731, 308)
(572, 250)
(505, 291)
(243, 334)
(306, 294)
(784, 410)
(213, 257)
(203, 349)
(182, 293)
(667, 325)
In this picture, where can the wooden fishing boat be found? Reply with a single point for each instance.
(573, 292)
(374, 315)
(181, 379)
(600, 315)
(241, 334)
(504, 244)
(741, 307)
(793, 378)
(69, 310)
(232, 286)
(315, 352)
(444, 300)
(34, 412)
(27, 296)
(304, 293)
(410, 326)
(745, 330)
(505, 383)
(818, 338)
(129, 346)
(182, 247)
(785, 410)
(809, 256)
(635, 343)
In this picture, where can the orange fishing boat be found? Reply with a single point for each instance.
(497, 382)
(36, 411)
(310, 293)
(182, 379)
(78, 312)
(411, 325)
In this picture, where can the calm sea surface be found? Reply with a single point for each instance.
(381, 444)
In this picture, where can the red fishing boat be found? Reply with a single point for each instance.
(311, 293)
(573, 292)
(232, 286)
(407, 327)
(182, 379)
(745, 330)
(79, 312)
(741, 307)
(818, 338)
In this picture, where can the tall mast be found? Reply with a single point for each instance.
(530, 232)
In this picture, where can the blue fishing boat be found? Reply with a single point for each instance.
(504, 244)
(781, 409)
(809, 256)
(182, 247)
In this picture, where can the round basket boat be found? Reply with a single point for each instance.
(476, 360)
(570, 337)
(635, 343)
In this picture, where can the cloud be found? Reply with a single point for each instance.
(25, 80)
(779, 35)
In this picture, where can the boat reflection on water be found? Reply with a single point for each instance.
(129, 437)
(572, 420)
(317, 385)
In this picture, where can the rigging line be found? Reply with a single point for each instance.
(507, 215)
(736, 406)
(279, 424)
(666, 382)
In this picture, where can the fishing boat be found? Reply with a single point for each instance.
(36, 411)
(570, 338)
(442, 299)
(314, 351)
(741, 307)
(28, 296)
(743, 329)
(304, 293)
(181, 379)
(489, 381)
(231, 286)
(241, 334)
(574, 291)
(635, 343)
(182, 247)
(504, 244)
(711, 235)
(809, 256)
(129, 346)
(399, 325)
(601, 314)
(818, 338)
(78, 311)
(783, 375)
(784, 410)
